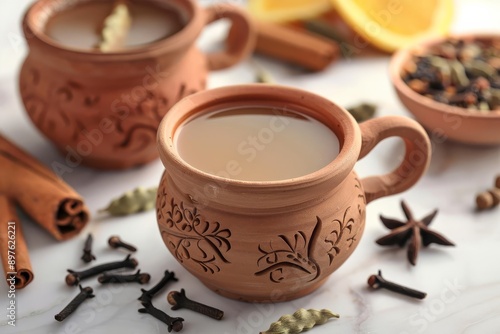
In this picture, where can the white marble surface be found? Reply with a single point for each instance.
(463, 283)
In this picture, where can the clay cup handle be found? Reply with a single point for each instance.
(416, 160)
(241, 37)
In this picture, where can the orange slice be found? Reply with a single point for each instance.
(394, 24)
(287, 10)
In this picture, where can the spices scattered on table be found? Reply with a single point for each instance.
(179, 300)
(416, 232)
(62, 212)
(87, 256)
(300, 321)
(74, 277)
(262, 75)
(363, 111)
(489, 199)
(138, 277)
(174, 324)
(85, 293)
(135, 201)
(458, 72)
(295, 46)
(147, 295)
(378, 282)
(323, 28)
(115, 242)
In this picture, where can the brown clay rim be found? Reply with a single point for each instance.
(340, 167)
(186, 35)
(403, 55)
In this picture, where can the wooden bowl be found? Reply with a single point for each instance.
(442, 120)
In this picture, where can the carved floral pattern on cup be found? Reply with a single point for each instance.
(68, 107)
(37, 106)
(361, 195)
(296, 253)
(290, 253)
(341, 227)
(189, 237)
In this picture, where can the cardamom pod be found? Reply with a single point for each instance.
(441, 65)
(299, 321)
(479, 68)
(363, 111)
(261, 75)
(495, 98)
(322, 28)
(458, 76)
(116, 28)
(134, 201)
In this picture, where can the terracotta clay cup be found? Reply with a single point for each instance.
(272, 241)
(103, 109)
(442, 120)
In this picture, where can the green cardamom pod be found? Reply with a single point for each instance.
(441, 65)
(134, 201)
(363, 111)
(322, 28)
(299, 321)
(458, 76)
(262, 75)
(484, 106)
(479, 68)
(495, 98)
(116, 28)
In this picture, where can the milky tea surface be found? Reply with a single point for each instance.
(80, 27)
(256, 143)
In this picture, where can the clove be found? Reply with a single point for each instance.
(378, 282)
(85, 293)
(116, 242)
(147, 295)
(172, 323)
(179, 300)
(138, 277)
(74, 277)
(87, 250)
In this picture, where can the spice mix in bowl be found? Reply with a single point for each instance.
(452, 86)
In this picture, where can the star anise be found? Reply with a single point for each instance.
(415, 231)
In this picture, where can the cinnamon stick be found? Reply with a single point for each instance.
(295, 46)
(13, 250)
(41, 194)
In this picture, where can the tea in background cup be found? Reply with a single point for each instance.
(102, 109)
(272, 229)
(80, 27)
